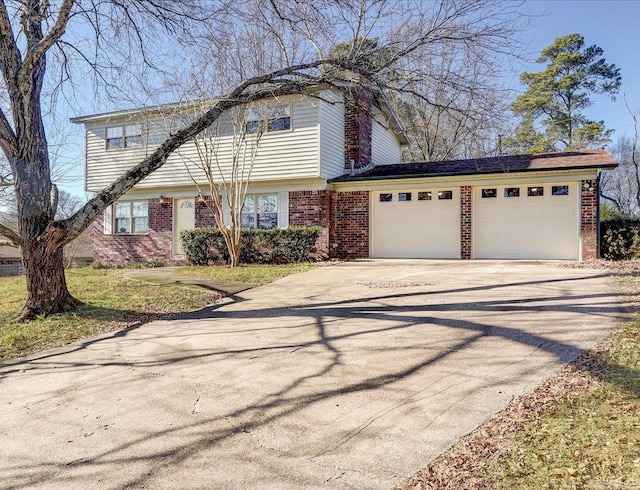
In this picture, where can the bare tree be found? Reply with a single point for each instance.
(226, 153)
(122, 43)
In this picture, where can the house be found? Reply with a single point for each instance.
(323, 161)
(77, 254)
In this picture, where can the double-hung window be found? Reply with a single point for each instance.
(272, 118)
(125, 136)
(260, 212)
(131, 217)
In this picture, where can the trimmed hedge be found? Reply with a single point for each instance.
(205, 246)
(620, 239)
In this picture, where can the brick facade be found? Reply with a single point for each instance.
(465, 222)
(125, 249)
(203, 215)
(312, 208)
(589, 219)
(349, 232)
(357, 128)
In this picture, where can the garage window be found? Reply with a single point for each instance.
(512, 192)
(489, 193)
(445, 195)
(535, 191)
(424, 196)
(560, 190)
(404, 196)
(386, 197)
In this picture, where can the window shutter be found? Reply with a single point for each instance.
(108, 221)
(283, 209)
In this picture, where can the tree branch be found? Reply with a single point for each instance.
(14, 240)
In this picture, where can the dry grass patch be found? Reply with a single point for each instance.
(252, 273)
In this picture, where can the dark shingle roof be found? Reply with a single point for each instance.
(585, 159)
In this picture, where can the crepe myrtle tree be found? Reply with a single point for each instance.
(255, 50)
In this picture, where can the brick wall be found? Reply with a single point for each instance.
(357, 128)
(125, 249)
(203, 215)
(589, 219)
(349, 231)
(312, 208)
(465, 222)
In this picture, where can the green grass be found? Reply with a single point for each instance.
(254, 274)
(109, 302)
(588, 440)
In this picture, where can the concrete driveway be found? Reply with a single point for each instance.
(348, 376)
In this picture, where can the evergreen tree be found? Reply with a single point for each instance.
(552, 107)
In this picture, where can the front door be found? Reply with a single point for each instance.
(185, 219)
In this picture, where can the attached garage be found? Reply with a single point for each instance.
(531, 221)
(507, 207)
(415, 223)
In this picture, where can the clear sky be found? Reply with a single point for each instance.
(611, 24)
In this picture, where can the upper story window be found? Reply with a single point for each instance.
(272, 118)
(131, 217)
(125, 136)
(260, 212)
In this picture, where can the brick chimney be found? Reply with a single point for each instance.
(357, 128)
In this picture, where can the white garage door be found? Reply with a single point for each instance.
(526, 222)
(417, 223)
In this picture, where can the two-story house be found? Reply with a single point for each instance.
(324, 162)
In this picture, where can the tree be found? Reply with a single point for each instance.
(228, 173)
(620, 188)
(255, 50)
(552, 107)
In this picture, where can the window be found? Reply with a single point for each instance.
(560, 190)
(445, 195)
(260, 212)
(512, 192)
(132, 217)
(424, 196)
(127, 136)
(386, 197)
(404, 196)
(535, 191)
(273, 118)
(489, 193)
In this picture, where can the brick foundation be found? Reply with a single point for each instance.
(465, 222)
(589, 219)
(349, 232)
(126, 249)
(312, 208)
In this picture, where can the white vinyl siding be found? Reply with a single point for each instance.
(385, 149)
(331, 121)
(291, 154)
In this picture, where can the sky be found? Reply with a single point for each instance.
(610, 24)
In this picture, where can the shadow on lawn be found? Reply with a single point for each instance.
(382, 320)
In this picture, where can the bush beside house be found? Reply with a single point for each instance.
(620, 239)
(206, 246)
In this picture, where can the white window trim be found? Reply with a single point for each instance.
(124, 136)
(131, 218)
(277, 210)
(266, 110)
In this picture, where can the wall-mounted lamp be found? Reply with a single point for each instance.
(164, 200)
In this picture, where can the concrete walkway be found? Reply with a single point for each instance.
(348, 376)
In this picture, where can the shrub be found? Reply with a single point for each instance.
(620, 239)
(204, 246)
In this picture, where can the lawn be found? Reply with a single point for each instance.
(111, 302)
(578, 430)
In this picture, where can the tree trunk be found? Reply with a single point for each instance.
(47, 291)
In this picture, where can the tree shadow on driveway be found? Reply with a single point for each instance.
(292, 392)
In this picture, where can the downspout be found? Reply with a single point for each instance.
(598, 214)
